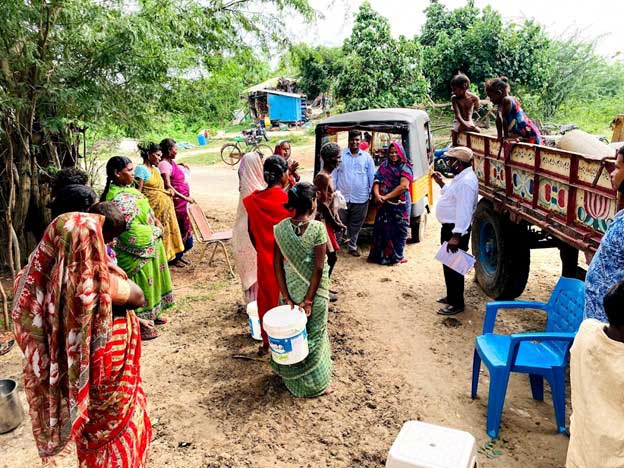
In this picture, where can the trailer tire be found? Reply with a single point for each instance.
(502, 252)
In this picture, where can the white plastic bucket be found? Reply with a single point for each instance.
(254, 321)
(287, 333)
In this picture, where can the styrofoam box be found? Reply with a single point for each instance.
(422, 445)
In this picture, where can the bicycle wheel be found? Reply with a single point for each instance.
(231, 154)
(263, 150)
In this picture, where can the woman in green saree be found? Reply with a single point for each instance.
(302, 274)
(140, 252)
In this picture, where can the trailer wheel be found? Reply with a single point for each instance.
(418, 226)
(502, 251)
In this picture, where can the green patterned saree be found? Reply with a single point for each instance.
(312, 376)
(140, 251)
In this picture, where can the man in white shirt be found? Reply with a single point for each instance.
(454, 210)
(354, 179)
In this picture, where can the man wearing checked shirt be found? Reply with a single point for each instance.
(354, 179)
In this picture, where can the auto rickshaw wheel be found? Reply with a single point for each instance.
(418, 227)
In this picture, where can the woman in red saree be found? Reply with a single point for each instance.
(265, 208)
(81, 371)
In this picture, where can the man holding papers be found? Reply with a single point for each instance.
(454, 210)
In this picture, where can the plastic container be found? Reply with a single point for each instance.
(254, 321)
(422, 445)
(11, 411)
(287, 333)
(201, 139)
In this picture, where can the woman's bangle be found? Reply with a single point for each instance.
(308, 302)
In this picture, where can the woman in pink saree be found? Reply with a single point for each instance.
(175, 179)
(250, 175)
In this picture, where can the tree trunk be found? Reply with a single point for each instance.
(25, 192)
(22, 199)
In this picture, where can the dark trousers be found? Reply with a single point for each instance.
(188, 245)
(353, 217)
(332, 258)
(454, 281)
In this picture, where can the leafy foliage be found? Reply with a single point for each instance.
(440, 20)
(479, 44)
(379, 71)
(572, 65)
(112, 66)
(318, 67)
(214, 96)
(547, 73)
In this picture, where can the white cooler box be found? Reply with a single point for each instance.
(422, 445)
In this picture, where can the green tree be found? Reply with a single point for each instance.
(573, 72)
(75, 64)
(379, 71)
(523, 55)
(478, 43)
(215, 95)
(567, 75)
(317, 67)
(439, 20)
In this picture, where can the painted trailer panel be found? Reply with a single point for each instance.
(568, 195)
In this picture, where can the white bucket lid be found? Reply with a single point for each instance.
(252, 309)
(282, 321)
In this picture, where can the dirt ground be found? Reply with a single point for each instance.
(394, 360)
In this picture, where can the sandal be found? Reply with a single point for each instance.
(161, 320)
(263, 350)
(186, 262)
(451, 310)
(148, 330)
(6, 347)
(148, 334)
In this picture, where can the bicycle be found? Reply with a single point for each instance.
(231, 153)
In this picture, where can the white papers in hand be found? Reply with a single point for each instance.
(459, 261)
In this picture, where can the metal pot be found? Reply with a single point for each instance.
(11, 412)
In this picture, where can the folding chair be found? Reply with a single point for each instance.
(206, 236)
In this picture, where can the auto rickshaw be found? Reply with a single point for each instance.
(409, 126)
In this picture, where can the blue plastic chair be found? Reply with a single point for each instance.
(541, 355)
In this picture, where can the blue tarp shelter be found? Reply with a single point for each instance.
(284, 107)
(280, 106)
